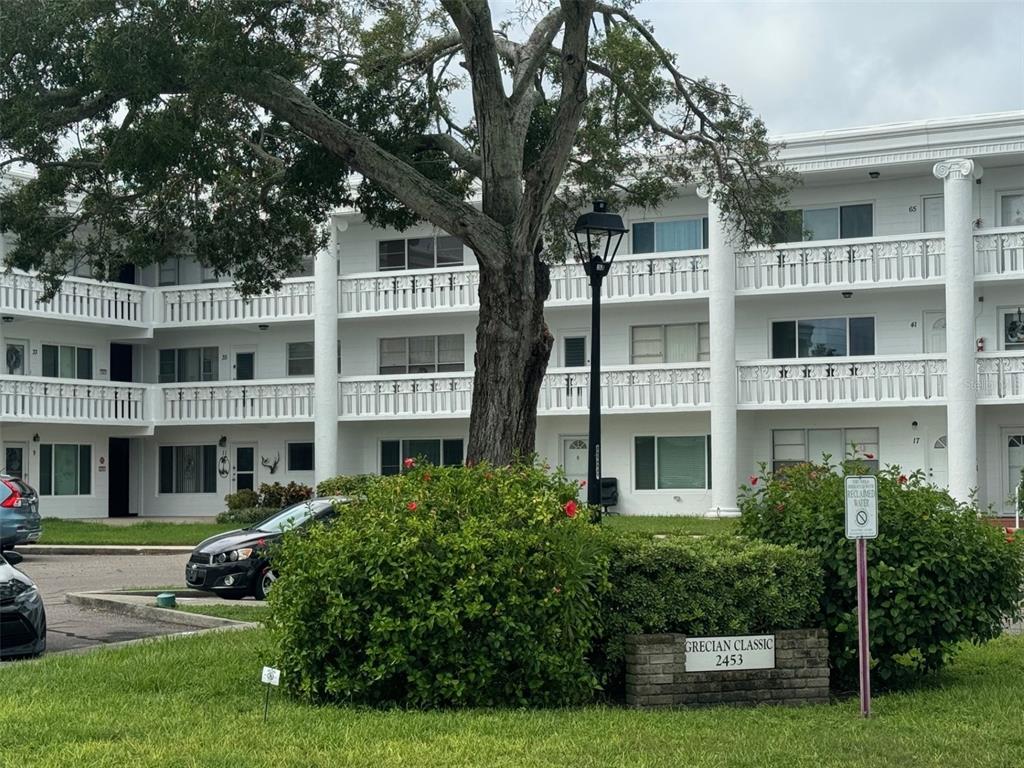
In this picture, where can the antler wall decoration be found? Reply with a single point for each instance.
(271, 465)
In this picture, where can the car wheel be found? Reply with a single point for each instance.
(265, 583)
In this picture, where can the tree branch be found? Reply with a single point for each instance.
(459, 154)
(532, 53)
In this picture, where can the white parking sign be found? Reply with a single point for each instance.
(862, 507)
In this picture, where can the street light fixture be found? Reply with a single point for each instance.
(598, 235)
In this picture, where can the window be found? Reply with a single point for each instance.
(670, 235)
(934, 214)
(67, 362)
(65, 470)
(190, 364)
(795, 446)
(835, 223)
(423, 354)
(300, 358)
(574, 354)
(188, 469)
(168, 272)
(1014, 461)
(1011, 209)
(1013, 328)
(210, 274)
(826, 337)
(419, 253)
(441, 452)
(666, 463)
(300, 457)
(679, 343)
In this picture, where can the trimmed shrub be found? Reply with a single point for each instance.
(719, 585)
(244, 499)
(938, 574)
(277, 496)
(345, 485)
(444, 586)
(245, 516)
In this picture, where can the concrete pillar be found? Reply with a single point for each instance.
(961, 373)
(325, 364)
(722, 320)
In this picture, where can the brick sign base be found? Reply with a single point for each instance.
(656, 676)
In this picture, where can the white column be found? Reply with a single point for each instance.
(722, 320)
(325, 364)
(961, 372)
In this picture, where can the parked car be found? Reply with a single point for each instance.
(19, 513)
(235, 564)
(22, 616)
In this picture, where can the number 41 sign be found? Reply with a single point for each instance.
(861, 525)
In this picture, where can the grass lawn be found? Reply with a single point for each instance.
(152, 533)
(655, 525)
(57, 531)
(197, 701)
(246, 612)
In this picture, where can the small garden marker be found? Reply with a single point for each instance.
(270, 677)
(861, 525)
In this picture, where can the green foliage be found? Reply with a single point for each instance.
(345, 485)
(277, 496)
(444, 586)
(716, 585)
(243, 499)
(938, 574)
(246, 515)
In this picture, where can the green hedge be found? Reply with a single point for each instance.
(444, 586)
(246, 516)
(345, 485)
(717, 585)
(939, 575)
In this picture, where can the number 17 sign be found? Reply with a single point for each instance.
(861, 525)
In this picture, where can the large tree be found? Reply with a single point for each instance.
(226, 130)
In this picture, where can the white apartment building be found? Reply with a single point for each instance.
(890, 325)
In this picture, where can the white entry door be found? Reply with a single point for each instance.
(574, 458)
(243, 475)
(15, 460)
(934, 332)
(938, 463)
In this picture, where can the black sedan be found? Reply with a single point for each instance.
(22, 616)
(235, 564)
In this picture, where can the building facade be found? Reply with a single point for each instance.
(886, 325)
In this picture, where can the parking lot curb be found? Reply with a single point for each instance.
(237, 625)
(101, 549)
(112, 603)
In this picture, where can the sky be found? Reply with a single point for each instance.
(808, 66)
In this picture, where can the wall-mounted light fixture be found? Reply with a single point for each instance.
(8, 319)
(874, 174)
(35, 438)
(223, 441)
(263, 326)
(847, 294)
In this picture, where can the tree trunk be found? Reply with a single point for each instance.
(513, 344)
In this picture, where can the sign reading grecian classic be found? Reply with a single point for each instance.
(723, 654)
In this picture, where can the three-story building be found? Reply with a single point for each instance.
(886, 325)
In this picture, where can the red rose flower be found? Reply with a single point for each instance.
(583, 483)
(570, 508)
(869, 456)
(903, 480)
(409, 463)
(752, 479)
(411, 506)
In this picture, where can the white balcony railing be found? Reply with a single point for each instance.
(675, 274)
(281, 400)
(1001, 376)
(223, 304)
(77, 298)
(999, 251)
(566, 390)
(81, 401)
(861, 261)
(842, 380)
(422, 289)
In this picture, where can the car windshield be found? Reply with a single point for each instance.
(293, 516)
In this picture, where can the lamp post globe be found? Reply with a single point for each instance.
(598, 235)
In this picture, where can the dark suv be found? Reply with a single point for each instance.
(19, 513)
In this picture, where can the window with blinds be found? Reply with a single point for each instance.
(666, 463)
(423, 354)
(437, 451)
(188, 469)
(67, 362)
(189, 364)
(677, 343)
(420, 253)
(65, 470)
(796, 446)
(574, 351)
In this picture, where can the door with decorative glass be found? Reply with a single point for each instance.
(574, 459)
(938, 463)
(244, 476)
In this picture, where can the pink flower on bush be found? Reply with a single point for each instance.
(752, 479)
(411, 506)
(570, 508)
(409, 463)
(426, 477)
(583, 483)
(902, 480)
(869, 456)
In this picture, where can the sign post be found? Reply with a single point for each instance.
(861, 525)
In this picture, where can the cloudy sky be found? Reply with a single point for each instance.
(807, 66)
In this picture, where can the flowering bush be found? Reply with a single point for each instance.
(444, 586)
(277, 496)
(938, 575)
(345, 485)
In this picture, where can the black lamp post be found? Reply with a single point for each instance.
(598, 235)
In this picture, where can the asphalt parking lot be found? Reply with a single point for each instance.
(69, 626)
